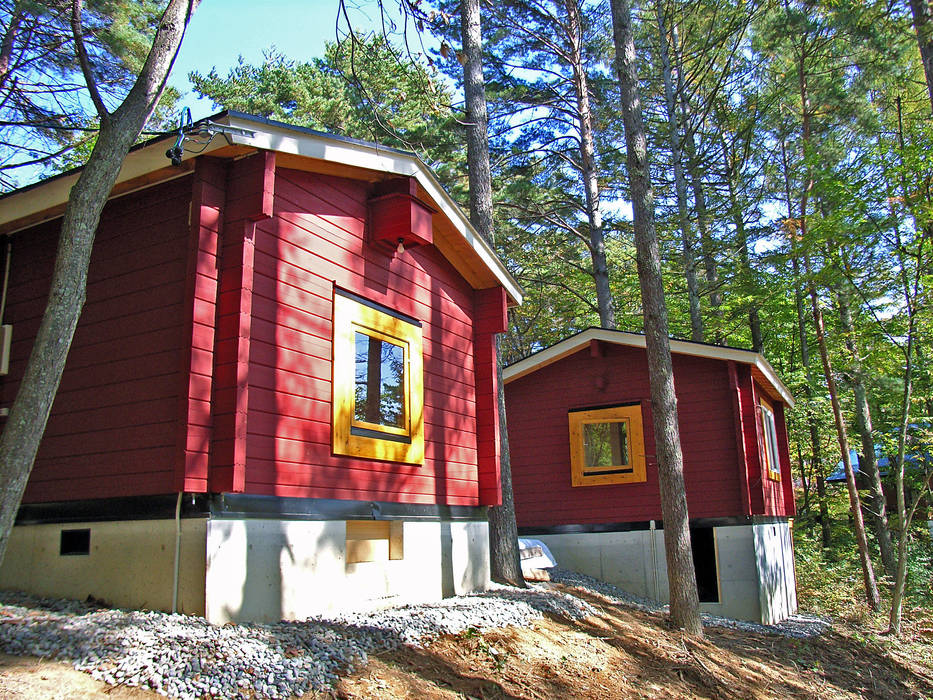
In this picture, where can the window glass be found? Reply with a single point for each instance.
(772, 459)
(605, 445)
(379, 395)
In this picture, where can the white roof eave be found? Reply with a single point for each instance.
(573, 344)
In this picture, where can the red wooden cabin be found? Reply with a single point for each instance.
(281, 394)
(585, 474)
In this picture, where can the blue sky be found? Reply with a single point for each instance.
(222, 30)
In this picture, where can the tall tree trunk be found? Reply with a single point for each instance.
(868, 573)
(804, 479)
(503, 532)
(695, 169)
(923, 24)
(604, 302)
(912, 291)
(741, 240)
(869, 463)
(680, 184)
(29, 413)
(684, 601)
(814, 431)
(707, 249)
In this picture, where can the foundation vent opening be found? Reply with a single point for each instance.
(75, 542)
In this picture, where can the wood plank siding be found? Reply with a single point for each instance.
(606, 374)
(113, 430)
(203, 359)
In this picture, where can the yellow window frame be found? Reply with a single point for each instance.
(359, 438)
(771, 457)
(631, 415)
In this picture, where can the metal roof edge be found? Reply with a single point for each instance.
(574, 343)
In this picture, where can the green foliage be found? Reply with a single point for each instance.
(47, 123)
(828, 580)
(364, 88)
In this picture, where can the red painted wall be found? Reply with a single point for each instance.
(203, 359)
(316, 238)
(113, 428)
(537, 406)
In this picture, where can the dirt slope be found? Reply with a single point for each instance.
(619, 653)
(623, 653)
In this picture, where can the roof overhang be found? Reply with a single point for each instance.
(762, 370)
(301, 148)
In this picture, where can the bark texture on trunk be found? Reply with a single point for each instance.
(868, 463)
(503, 532)
(684, 601)
(604, 302)
(474, 89)
(868, 573)
(923, 24)
(29, 413)
(680, 184)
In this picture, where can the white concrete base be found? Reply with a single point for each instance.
(635, 562)
(130, 563)
(777, 584)
(265, 570)
(242, 570)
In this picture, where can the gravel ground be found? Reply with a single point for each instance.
(799, 625)
(185, 657)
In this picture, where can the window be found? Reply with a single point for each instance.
(771, 460)
(607, 446)
(377, 385)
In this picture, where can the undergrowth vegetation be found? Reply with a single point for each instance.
(829, 581)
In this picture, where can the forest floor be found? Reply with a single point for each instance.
(620, 652)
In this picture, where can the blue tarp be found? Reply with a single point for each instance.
(839, 473)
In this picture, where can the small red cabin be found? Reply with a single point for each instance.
(281, 396)
(585, 474)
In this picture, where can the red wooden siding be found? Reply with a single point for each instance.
(195, 425)
(202, 361)
(316, 239)
(113, 429)
(491, 318)
(248, 200)
(711, 426)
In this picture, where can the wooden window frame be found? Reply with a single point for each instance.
(630, 414)
(357, 438)
(770, 454)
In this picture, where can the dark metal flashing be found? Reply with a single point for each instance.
(586, 528)
(234, 506)
(230, 506)
(157, 507)
(388, 311)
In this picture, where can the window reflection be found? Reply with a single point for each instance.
(379, 395)
(605, 444)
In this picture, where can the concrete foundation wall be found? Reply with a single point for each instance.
(635, 562)
(130, 563)
(267, 570)
(239, 570)
(774, 558)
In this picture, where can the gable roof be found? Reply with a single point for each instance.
(296, 147)
(762, 371)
